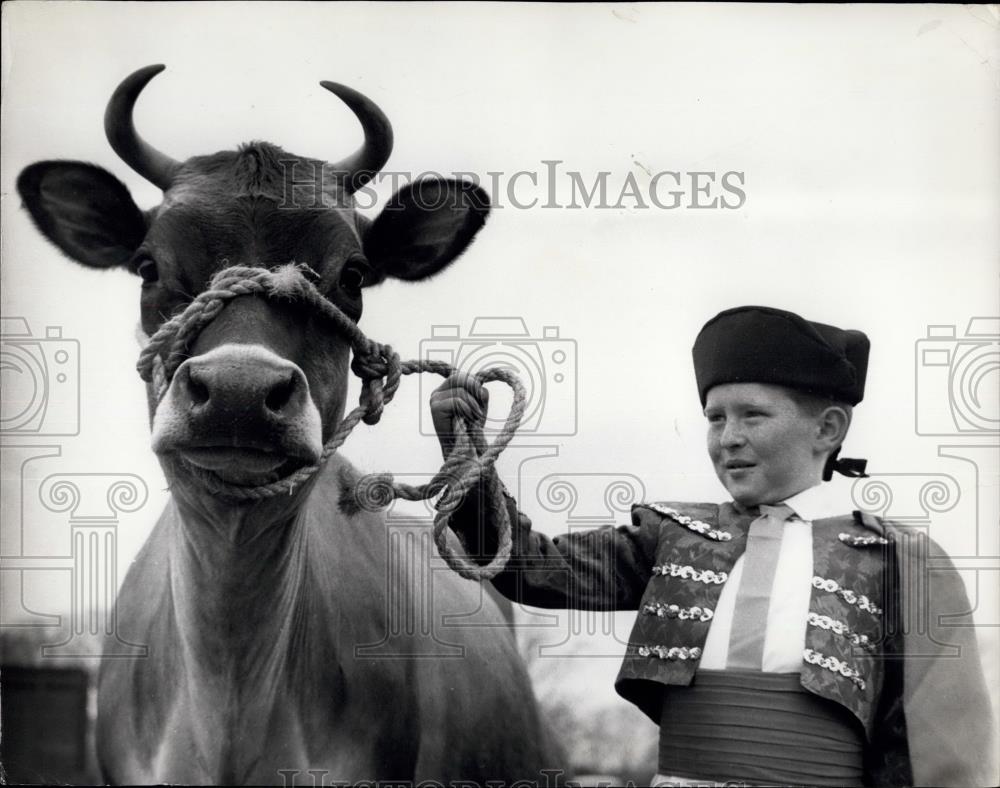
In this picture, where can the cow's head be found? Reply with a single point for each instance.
(265, 382)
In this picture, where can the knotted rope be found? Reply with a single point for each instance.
(379, 368)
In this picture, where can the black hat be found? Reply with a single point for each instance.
(758, 344)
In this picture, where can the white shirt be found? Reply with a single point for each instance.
(785, 633)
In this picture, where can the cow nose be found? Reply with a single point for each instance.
(237, 396)
(241, 384)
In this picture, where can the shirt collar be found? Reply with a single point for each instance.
(827, 499)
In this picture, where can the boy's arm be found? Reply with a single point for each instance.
(597, 569)
(950, 723)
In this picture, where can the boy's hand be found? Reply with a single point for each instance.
(460, 396)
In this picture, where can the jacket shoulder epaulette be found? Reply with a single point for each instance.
(701, 518)
(700, 511)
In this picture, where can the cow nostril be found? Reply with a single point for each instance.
(197, 391)
(280, 394)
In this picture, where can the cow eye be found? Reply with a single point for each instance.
(146, 268)
(352, 277)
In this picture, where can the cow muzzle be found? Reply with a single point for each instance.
(242, 412)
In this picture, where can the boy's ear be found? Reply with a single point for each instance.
(84, 210)
(832, 425)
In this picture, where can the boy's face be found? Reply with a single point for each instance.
(763, 445)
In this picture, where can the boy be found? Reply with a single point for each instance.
(773, 643)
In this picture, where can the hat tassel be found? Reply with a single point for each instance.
(848, 466)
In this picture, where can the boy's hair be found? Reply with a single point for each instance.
(814, 404)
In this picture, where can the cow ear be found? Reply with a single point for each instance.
(84, 210)
(425, 226)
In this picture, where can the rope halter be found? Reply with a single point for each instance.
(379, 368)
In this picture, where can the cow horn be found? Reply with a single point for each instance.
(362, 165)
(142, 157)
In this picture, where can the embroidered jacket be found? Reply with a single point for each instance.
(694, 554)
(896, 661)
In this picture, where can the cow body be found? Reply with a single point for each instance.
(299, 632)
(254, 664)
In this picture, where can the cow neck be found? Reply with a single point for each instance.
(236, 577)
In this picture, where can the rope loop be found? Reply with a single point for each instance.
(469, 464)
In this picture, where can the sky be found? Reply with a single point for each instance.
(855, 148)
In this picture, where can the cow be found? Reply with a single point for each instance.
(272, 648)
